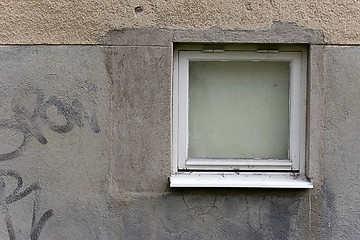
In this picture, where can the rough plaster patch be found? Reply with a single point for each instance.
(277, 33)
(141, 100)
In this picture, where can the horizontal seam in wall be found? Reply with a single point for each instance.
(29, 45)
(335, 45)
(161, 46)
(79, 45)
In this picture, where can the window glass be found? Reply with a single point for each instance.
(238, 109)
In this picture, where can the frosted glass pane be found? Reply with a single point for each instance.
(239, 109)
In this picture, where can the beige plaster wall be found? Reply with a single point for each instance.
(85, 22)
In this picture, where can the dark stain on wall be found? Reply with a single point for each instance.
(328, 210)
(280, 220)
(214, 214)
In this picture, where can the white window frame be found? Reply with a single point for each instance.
(274, 173)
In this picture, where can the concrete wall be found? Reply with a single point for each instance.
(85, 130)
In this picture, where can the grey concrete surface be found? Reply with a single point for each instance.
(341, 143)
(54, 133)
(85, 150)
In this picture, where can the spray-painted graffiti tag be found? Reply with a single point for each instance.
(16, 195)
(25, 119)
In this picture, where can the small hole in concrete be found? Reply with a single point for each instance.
(138, 10)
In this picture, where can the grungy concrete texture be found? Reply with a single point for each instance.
(341, 143)
(85, 22)
(215, 214)
(54, 146)
(85, 144)
(90, 128)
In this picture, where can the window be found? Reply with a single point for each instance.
(239, 117)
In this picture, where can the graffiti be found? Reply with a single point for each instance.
(26, 118)
(16, 195)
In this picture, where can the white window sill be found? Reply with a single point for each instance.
(241, 180)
